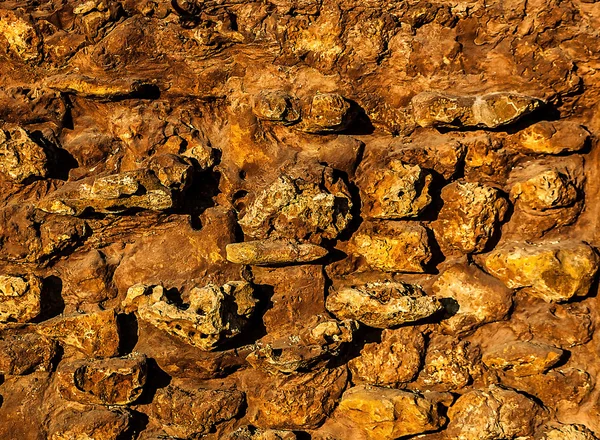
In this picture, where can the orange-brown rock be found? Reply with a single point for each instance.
(247, 433)
(92, 423)
(20, 298)
(552, 137)
(569, 432)
(522, 358)
(274, 252)
(24, 353)
(21, 158)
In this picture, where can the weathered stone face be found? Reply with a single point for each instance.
(522, 358)
(20, 298)
(21, 158)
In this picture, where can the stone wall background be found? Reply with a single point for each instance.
(299, 219)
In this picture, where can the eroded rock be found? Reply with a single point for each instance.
(552, 137)
(569, 432)
(551, 270)
(326, 113)
(93, 423)
(522, 358)
(20, 298)
(248, 433)
(21, 158)
(274, 252)
(21, 34)
(276, 106)
(382, 304)
(24, 353)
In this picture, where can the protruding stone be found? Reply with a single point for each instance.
(487, 160)
(475, 298)
(569, 432)
(552, 137)
(328, 112)
(25, 353)
(184, 410)
(93, 423)
(546, 189)
(111, 194)
(114, 381)
(394, 361)
(21, 158)
(173, 171)
(276, 106)
(215, 313)
(386, 414)
(555, 271)
(313, 347)
(395, 191)
(95, 334)
(393, 246)
(495, 413)
(20, 298)
(273, 252)
(301, 204)
(249, 433)
(382, 304)
(437, 109)
(522, 358)
(23, 38)
(447, 365)
(470, 216)
(438, 153)
(100, 88)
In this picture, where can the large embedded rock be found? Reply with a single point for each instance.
(21, 158)
(173, 171)
(394, 191)
(551, 270)
(522, 358)
(320, 341)
(393, 246)
(326, 113)
(25, 353)
(569, 432)
(20, 298)
(394, 361)
(249, 433)
(19, 31)
(273, 252)
(552, 137)
(214, 314)
(470, 217)
(477, 298)
(295, 401)
(386, 414)
(382, 304)
(94, 334)
(545, 189)
(491, 414)
(562, 325)
(111, 194)
(186, 410)
(436, 109)
(92, 423)
(114, 381)
(276, 106)
(487, 159)
(304, 204)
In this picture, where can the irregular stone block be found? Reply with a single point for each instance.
(394, 361)
(276, 106)
(302, 204)
(20, 298)
(477, 298)
(327, 112)
(215, 313)
(21, 158)
(114, 381)
(98, 87)
(173, 171)
(21, 34)
(552, 137)
(487, 160)
(185, 410)
(447, 365)
(436, 109)
(24, 353)
(93, 423)
(547, 189)
(311, 348)
(561, 325)
(386, 414)
(95, 334)
(492, 414)
(393, 246)
(273, 252)
(470, 216)
(555, 271)
(111, 194)
(569, 432)
(394, 191)
(249, 433)
(522, 358)
(295, 401)
(382, 304)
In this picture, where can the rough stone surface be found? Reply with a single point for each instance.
(20, 298)
(274, 252)
(522, 358)
(552, 137)
(21, 158)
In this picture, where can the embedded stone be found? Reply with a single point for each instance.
(186, 410)
(327, 112)
(92, 423)
(394, 361)
(438, 153)
(301, 204)
(476, 298)
(20, 298)
(554, 271)
(393, 246)
(21, 158)
(548, 189)
(437, 109)
(395, 191)
(569, 432)
(552, 137)
(522, 358)
(382, 304)
(470, 216)
(214, 314)
(447, 365)
(21, 34)
(95, 334)
(24, 353)
(276, 106)
(173, 171)
(493, 413)
(111, 194)
(273, 252)
(250, 433)
(114, 381)
(386, 414)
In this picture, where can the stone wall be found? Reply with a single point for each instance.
(299, 219)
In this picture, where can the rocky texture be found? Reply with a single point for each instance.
(522, 358)
(553, 137)
(551, 270)
(569, 432)
(94, 423)
(24, 353)
(20, 298)
(21, 158)
(274, 252)
(382, 304)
